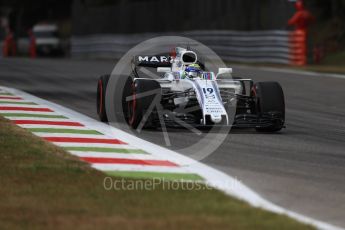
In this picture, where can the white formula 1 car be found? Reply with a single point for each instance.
(186, 95)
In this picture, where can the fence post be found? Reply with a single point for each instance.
(298, 47)
(298, 39)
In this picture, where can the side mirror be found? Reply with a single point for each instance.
(163, 69)
(224, 71)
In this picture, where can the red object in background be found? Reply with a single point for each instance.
(32, 45)
(173, 52)
(302, 18)
(298, 39)
(9, 46)
(298, 47)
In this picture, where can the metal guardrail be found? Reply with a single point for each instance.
(274, 46)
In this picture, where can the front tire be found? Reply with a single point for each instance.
(270, 102)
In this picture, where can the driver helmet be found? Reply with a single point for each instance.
(193, 71)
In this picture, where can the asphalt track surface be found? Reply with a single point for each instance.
(301, 168)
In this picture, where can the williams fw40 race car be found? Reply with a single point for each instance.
(184, 94)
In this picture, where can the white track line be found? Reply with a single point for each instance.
(38, 119)
(134, 156)
(213, 177)
(23, 106)
(67, 144)
(4, 112)
(69, 135)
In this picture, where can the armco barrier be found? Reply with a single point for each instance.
(274, 46)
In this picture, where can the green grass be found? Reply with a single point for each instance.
(43, 187)
(57, 130)
(17, 103)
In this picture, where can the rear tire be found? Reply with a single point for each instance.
(269, 101)
(141, 102)
(101, 92)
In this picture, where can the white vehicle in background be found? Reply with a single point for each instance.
(187, 94)
(47, 40)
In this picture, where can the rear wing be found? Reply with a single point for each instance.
(154, 61)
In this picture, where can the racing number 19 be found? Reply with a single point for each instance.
(207, 90)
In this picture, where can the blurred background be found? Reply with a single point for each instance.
(238, 30)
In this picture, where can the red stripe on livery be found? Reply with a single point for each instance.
(25, 109)
(11, 98)
(84, 140)
(34, 122)
(99, 160)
